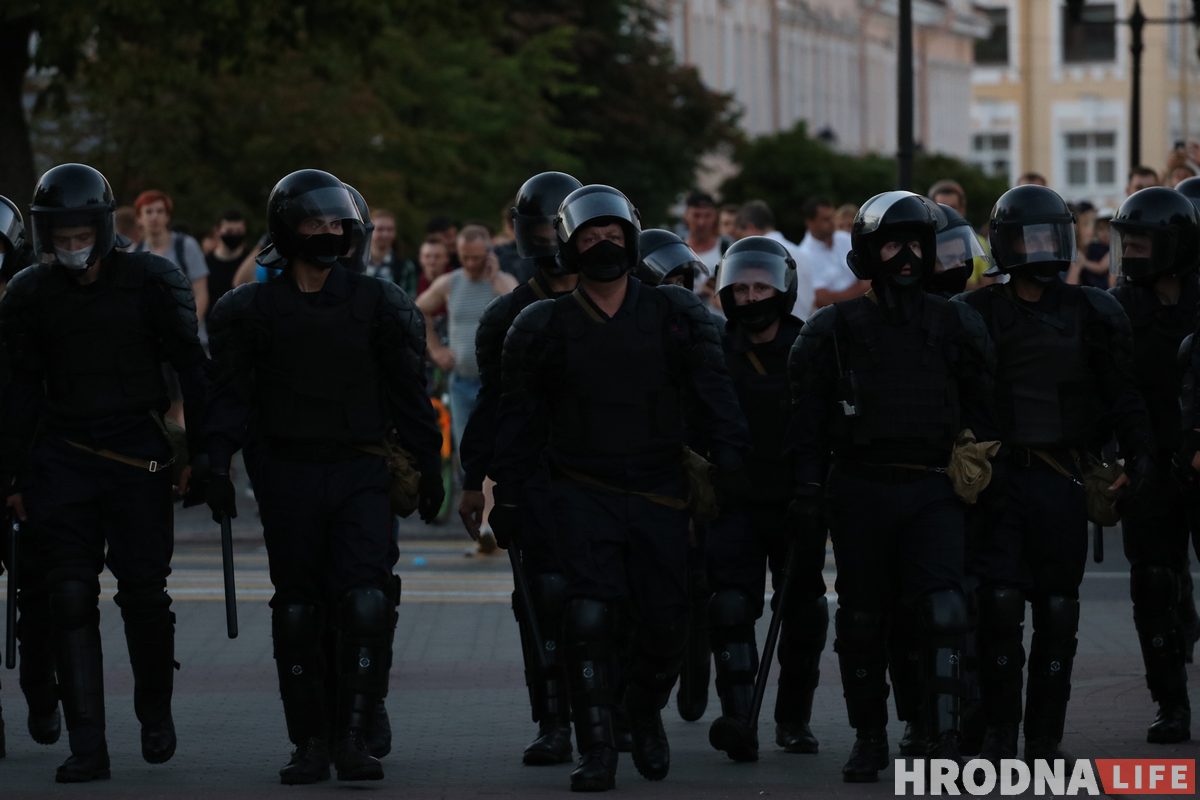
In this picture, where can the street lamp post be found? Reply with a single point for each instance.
(904, 93)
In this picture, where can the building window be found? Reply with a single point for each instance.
(993, 51)
(992, 153)
(1091, 160)
(1093, 38)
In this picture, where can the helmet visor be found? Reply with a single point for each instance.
(594, 207)
(325, 203)
(535, 236)
(1015, 245)
(750, 267)
(670, 257)
(1137, 253)
(12, 229)
(959, 247)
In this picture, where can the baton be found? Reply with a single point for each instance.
(231, 623)
(10, 609)
(764, 664)
(526, 597)
(1097, 542)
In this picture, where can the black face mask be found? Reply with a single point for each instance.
(233, 240)
(892, 268)
(324, 249)
(948, 283)
(1042, 272)
(756, 316)
(604, 261)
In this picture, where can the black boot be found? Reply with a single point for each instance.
(622, 731)
(1172, 725)
(353, 760)
(80, 660)
(365, 624)
(553, 742)
(801, 642)
(1157, 613)
(38, 678)
(597, 767)
(378, 735)
(731, 620)
(696, 671)
(1051, 659)
(309, 763)
(1000, 742)
(651, 751)
(867, 758)
(150, 636)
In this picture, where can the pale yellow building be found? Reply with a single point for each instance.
(1054, 97)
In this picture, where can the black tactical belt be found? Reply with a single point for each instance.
(138, 463)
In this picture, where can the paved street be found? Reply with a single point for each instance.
(458, 702)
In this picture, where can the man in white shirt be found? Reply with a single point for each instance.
(822, 256)
(755, 218)
(700, 216)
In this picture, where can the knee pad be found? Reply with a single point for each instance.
(730, 608)
(1001, 608)
(944, 613)
(75, 604)
(293, 623)
(365, 613)
(1056, 616)
(805, 627)
(143, 602)
(858, 631)
(589, 620)
(1154, 588)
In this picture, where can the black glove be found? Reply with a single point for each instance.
(197, 488)
(430, 495)
(219, 495)
(732, 486)
(505, 521)
(806, 512)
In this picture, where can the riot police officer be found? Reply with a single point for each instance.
(882, 387)
(33, 625)
(665, 258)
(756, 280)
(594, 387)
(86, 331)
(1154, 252)
(1063, 369)
(328, 363)
(533, 228)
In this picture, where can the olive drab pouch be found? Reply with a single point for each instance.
(177, 440)
(1098, 475)
(702, 497)
(403, 489)
(970, 469)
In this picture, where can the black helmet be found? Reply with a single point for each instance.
(1190, 188)
(896, 216)
(1032, 227)
(302, 195)
(71, 196)
(592, 205)
(957, 249)
(1156, 231)
(663, 255)
(12, 234)
(361, 233)
(533, 215)
(757, 260)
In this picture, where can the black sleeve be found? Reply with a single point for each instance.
(398, 340)
(475, 449)
(813, 376)
(527, 364)
(1110, 350)
(173, 311)
(24, 392)
(713, 401)
(1189, 399)
(975, 368)
(232, 336)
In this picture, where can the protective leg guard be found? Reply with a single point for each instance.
(589, 642)
(944, 628)
(904, 666)
(862, 658)
(1190, 620)
(1156, 594)
(553, 742)
(731, 626)
(1051, 658)
(656, 665)
(696, 670)
(801, 641)
(296, 632)
(366, 619)
(1001, 661)
(38, 679)
(378, 734)
(73, 608)
(150, 638)
(973, 718)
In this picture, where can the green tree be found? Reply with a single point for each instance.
(789, 168)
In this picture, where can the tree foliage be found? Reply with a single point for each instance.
(789, 168)
(427, 106)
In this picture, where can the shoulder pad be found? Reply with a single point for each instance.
(971, 320)
(232, 305)
(1105, 304)
(681, 299)
(822, 323)
(26, 282)
(397, 308)
(160, 270)
(536, 317)
(499, 313)
(1185, 350)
